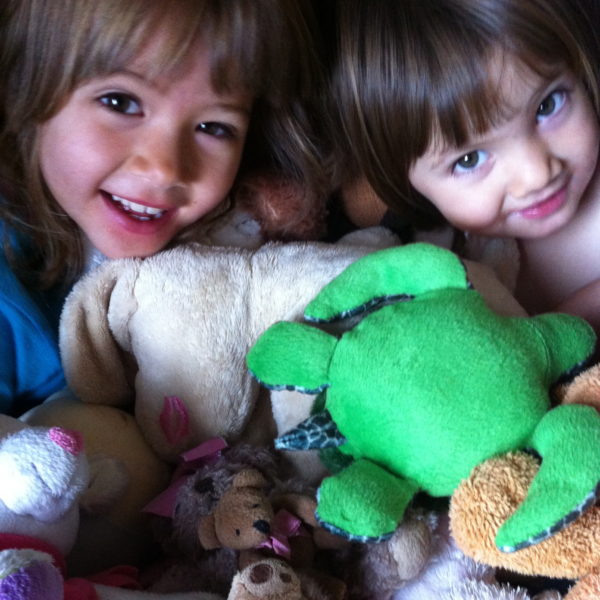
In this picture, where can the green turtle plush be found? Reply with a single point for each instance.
(425, 386)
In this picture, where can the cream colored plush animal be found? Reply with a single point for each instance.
(170, 333)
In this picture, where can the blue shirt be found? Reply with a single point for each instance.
(30, 368)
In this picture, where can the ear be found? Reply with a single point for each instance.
(95, 364)
(207, 533)
(249, 478)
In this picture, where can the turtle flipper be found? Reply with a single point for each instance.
(394, 273)
(568, 341)
(292, 356)
(318, 431)
(568, 440)
(363, 502)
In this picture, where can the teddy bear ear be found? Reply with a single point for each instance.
(207, 533)
(249, 478)
(93, 358)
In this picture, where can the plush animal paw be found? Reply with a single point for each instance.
(29, 574)
(486, 499)
(269, 579)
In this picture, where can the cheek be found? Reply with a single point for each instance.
(470, 209)
(581, 141)
(65, 154)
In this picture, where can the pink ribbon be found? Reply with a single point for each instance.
(190, 461)
(285, 525)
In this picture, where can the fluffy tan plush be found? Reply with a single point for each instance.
(269, 579)
(496, 488)
(169, 334)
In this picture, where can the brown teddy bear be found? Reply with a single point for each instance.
(235, 512)
(497, 487)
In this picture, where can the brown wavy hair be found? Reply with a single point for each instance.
(47, 49)
(406, 71)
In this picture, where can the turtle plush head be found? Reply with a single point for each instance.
(428, 384)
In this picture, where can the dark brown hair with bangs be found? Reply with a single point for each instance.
(412, 72)
(48, 48)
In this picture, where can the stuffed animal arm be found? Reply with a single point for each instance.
(427, 385)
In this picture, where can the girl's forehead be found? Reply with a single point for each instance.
(162, 56)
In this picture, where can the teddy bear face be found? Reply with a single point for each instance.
(243, 518)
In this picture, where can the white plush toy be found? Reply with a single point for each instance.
(43, 474)
(451, 575)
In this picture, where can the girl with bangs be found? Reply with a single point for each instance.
(482, 114)
(123, 126)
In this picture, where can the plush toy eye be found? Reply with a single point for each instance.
(237, 532)
(205, 485)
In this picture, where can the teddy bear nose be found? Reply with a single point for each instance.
(262, 526)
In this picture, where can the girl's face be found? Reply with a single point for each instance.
(525, 177)
(133, 159)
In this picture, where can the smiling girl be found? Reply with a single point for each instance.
(483, 114)
(122, 125)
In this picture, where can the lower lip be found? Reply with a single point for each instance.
(132, 225)
(547, 207)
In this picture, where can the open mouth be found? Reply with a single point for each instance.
(136, 211)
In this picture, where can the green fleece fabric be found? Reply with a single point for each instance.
(431, 382)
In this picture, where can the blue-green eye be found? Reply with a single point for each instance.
(121, 103)
(470, 161)
(551, 104)
(215, 129)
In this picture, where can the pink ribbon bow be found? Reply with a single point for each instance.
(285, 525)
(190, 461)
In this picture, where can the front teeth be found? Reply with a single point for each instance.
(139, 211)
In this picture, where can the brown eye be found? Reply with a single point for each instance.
(121, 103)
(214, 129)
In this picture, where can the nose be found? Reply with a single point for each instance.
(534, 165)
(161, 155)
(262, 526)
(71, 441)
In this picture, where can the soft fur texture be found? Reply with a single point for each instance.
(178, 325)
(496, 488)
(436, 359)
(44, 473)
(376, 571)
(451, 575)
(111, 531)
(491, 494)
(269, 579)
(224, 512)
